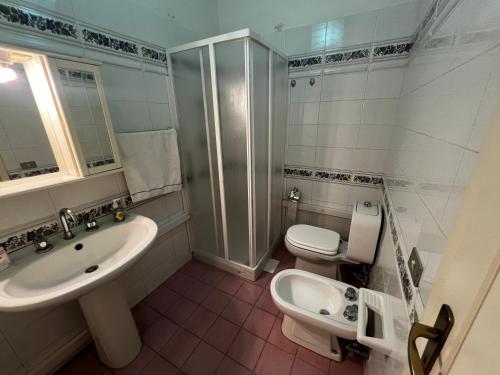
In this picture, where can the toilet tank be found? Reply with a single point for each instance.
(365, 229)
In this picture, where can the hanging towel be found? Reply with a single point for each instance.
(151, 163)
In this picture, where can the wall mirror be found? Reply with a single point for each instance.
(54, 121)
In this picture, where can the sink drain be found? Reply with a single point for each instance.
(324, 312)
(91, 269)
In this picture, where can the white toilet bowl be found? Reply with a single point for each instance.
(314, 308)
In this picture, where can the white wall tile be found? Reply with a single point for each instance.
(300, 155)
(328, 192)
(344, 86)
(304, 91)
(340, 112)
(296, 113)
(345, 136)
(371, 161)
(375, 136)
(8, 359)
(380, 111)
(302, 135)
(335, 158)
(311, 112)
(351, 31)
(384, 83)
(305, 39)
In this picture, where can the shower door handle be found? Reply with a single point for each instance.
(436, 335)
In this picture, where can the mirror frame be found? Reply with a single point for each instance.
(51, 104)
(55, 64)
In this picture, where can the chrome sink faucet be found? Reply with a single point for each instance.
(68, 234)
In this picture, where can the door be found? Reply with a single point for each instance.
(468, 279)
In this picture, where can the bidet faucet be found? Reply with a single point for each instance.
(68, 234)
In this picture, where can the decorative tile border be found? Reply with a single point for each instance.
(305, 62)
(151, 54)
(15, 175)
(406, 284)
(106, 41)
(381, 50)
(393, 50)
(345, 57)
(24, 238)
(101, 162)
(335, 176)
(69, 29)
(27, 18)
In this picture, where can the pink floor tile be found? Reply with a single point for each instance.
(277, 338)
(348, 366)
(204, 360)
(145, 356)
(180, 347)
(221, 334)
(213, 276)
(195, 269)
(162, 299)
(181, 310)
(236, 311)
(266, 303)
(144, 316)
(216, 301)
(314, 359)
(230, 284)
(231, 367)
(159, 366)
(182, 283)
(302, 368)
(264, 280)
(85, 362)
(159, 333)
(246, 349)
(196, 291)
(249, 292)
(200, 321)
(274, 361)
(259, 322)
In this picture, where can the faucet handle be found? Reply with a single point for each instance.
(42, 245)
(67, 211)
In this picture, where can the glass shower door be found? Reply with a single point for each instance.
(191, 79)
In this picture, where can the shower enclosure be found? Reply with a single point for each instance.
(230, 98)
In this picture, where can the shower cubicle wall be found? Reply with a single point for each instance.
(230, 94)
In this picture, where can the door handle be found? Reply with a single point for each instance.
(436, 335)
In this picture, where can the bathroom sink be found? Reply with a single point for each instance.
(75, 267)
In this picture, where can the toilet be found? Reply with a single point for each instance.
(317, 310)
(321, 250)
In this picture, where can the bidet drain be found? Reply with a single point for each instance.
(324, 312)
(91, 269)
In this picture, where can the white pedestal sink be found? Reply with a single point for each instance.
(85, 268)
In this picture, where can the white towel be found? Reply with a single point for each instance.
(151, 163)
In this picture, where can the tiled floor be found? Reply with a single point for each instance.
(204, 321)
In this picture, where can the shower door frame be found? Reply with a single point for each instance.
(246, 35)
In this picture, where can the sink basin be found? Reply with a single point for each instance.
(39, 280)
(85, 268)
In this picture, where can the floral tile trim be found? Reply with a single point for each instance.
(32, 172)
(401, 49)
(98, 163)
(344, 57)
(106, 41)
(154, 55)
(296, 172)
(333, 176)
(367, 180)
(29, 18)
(344, 177)
(76, 75)
(24, 238)
(405, 280)
(305, 62)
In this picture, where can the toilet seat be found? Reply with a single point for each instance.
(318, 240)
